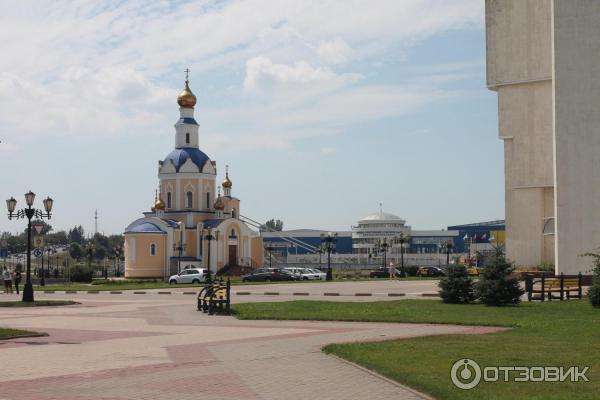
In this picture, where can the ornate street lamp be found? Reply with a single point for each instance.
(402, 239)
(448, 247)
(28, 213)
(328, 242)
(209, 237)
(117, 250)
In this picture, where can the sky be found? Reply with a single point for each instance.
(322, 109)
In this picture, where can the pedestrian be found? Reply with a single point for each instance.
(7, 278)
(17, 279)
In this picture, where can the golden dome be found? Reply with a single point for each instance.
(160, 204)
(227, 182)
(219, 206)
(186, 98)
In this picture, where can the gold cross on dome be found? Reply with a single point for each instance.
(187, 75)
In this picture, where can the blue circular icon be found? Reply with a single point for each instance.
(38, 253)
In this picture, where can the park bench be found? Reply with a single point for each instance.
(215, 298)
(553, 288)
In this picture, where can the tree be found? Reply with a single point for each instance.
(457, 287)
(100, 253)
(76, 235)
(496, 287)
(273, 225)
(75, 251)
(594, 291)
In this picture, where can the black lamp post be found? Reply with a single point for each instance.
(402, 239)
(209, 237)
(270, 249)
(29, 213)
(43, 280)
(383, 245)
(117, 251)
(328, 243)
(448, 247)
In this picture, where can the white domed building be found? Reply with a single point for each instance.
(376, 227)
(190, 224)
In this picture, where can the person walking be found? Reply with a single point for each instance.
(17, 279)
(7, 278)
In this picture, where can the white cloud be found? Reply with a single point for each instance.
(263, 74)
(108, 67)
(328, 150)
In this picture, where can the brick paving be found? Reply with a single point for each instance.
(160, 347)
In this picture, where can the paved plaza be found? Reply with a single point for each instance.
(153, 346)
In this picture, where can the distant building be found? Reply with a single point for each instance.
(303, 241)
(472, 236)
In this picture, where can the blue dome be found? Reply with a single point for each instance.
(180, 156)
(146, 227)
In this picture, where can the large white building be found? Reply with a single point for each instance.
(543, 60)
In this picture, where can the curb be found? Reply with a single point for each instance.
(300, 294)
(330, 294)
(243, 293)
(363, 294)
(430, 295)
(139, 292)
(164, 292)
(271, 293)
(396, 294)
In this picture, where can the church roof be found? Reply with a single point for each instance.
(180, 156)
(211, 223)
(146, 227)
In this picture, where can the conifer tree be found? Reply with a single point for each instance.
(496, 287)
(457, 287)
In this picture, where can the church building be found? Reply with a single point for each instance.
(191, 224)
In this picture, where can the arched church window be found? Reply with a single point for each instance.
(152, 249)
(189, 200)
(233, 213)
(187, 138)
(168, 199)
(232, 233)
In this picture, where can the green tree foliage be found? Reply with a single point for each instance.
(496, 287)
(99, 253)
(273, 225)
(457, 287)
(76, 235)
(76, 251)
(594, 291)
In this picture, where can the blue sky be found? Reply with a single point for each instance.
(322, 109)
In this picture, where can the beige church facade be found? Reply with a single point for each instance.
(191, 224)
(543, 60)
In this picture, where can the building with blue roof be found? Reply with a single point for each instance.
(191, 224)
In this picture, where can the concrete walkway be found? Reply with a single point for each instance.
(160, 347)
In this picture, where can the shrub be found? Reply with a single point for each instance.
(594, 291)
(410, 270)
(496, 287)
(81, 273)
(457, 287)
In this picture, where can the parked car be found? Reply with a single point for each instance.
(319, 275)
(430, 271)
(385, 273)
(268, 275)
(305, 274)
(192, 275)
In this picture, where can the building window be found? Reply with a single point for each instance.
(168, 199)
(207, 199)
(233, 213)
(189, 200)
(152, 249)
(232, 234)
(187, 138)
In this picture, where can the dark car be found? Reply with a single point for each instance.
(385, 273)
(430, 271)
(268, 275)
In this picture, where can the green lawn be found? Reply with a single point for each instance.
(8, 333)
(37, 303)
(544, 334)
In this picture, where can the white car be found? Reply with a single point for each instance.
(319, 275)
(192, 275)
